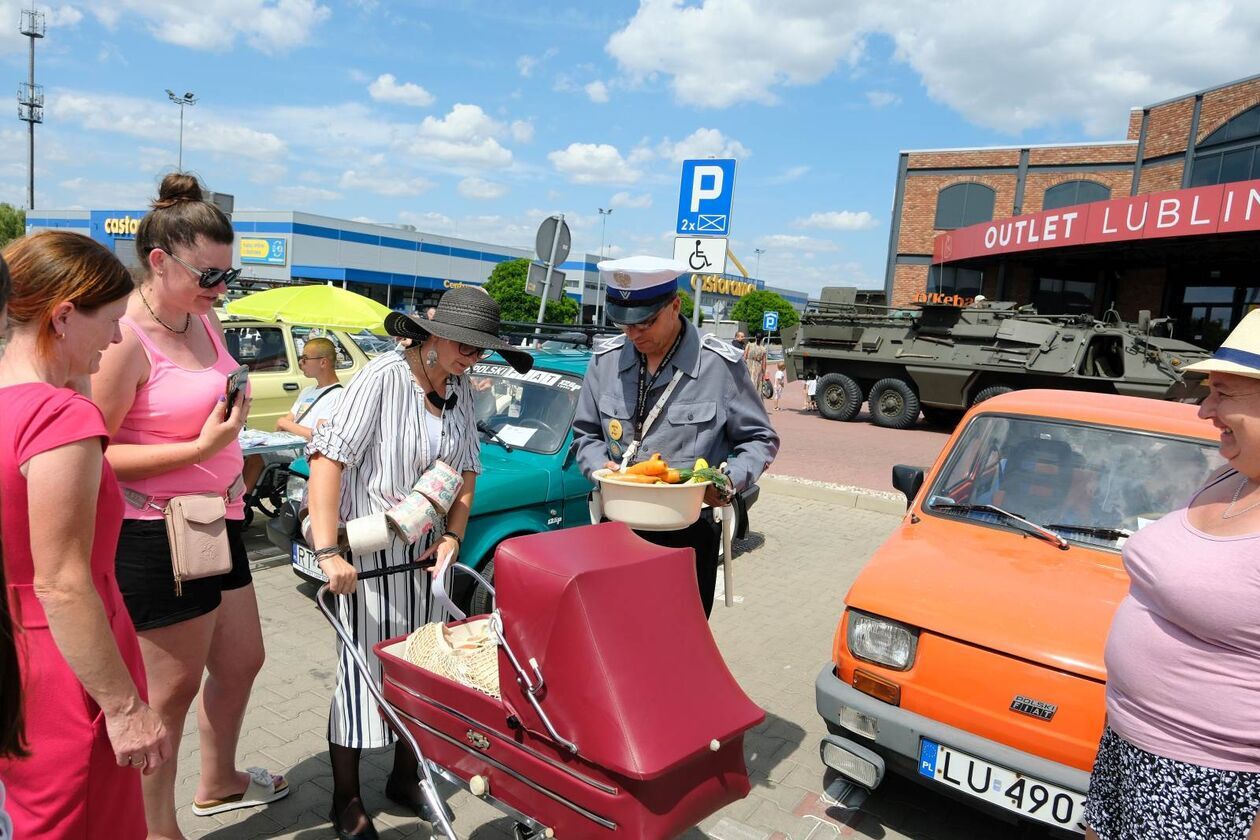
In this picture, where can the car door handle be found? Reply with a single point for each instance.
(290, 386)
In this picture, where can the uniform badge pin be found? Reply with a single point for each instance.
(614, 429)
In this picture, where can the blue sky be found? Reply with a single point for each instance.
(478, 119)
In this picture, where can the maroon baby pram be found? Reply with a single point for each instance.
(618, 716)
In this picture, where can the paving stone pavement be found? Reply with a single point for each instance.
(791, 576)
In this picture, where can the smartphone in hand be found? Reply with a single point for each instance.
(236, 382)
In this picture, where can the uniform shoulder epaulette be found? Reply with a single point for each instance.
(724, 349)
(607, 344)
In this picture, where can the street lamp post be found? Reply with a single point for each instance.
(599, 283)
(757, 252)
(189, 98)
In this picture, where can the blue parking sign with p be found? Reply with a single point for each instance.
(769, 321)
(705, 197)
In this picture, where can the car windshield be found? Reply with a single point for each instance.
(1088, 484)
(531, 411)
(372, 345)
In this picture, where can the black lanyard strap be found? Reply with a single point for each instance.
(646, 383)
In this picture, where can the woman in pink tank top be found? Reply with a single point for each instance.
(1180, 756)
(162, 394)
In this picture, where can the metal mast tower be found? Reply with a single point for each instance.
(31, 100)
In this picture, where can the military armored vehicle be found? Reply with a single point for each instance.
(942, 359)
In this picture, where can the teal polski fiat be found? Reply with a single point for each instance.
(530, 481)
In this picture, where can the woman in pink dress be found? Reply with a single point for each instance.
(89, 730)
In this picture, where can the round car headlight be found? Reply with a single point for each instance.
(881, 641)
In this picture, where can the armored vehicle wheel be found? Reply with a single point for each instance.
(945, 418)
(894, 404)
(991, 391)
(838, 397)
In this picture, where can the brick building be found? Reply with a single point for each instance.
(1166, 220)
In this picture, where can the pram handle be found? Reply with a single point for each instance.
(428, 787)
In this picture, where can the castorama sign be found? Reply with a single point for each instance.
(1224, 208)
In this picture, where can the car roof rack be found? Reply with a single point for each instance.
(579, 335)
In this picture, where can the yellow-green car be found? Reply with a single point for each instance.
(270, 350)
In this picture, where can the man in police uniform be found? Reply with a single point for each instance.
(708, 405)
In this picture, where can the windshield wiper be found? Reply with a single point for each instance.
(1095, 531)
(1023, 524)
(489, 432)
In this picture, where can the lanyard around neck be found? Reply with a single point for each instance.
(647, 383)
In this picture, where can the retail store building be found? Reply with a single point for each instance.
(1166, 220)
(399, 266)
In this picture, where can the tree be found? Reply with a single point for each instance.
(12, 223)
(507, 286)
(689, 306)
(753, 305)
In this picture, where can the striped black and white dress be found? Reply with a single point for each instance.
(378, 433)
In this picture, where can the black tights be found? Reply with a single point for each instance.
(345, 767)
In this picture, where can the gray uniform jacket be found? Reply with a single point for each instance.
(714, 413)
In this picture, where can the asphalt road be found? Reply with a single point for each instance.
(857, 454)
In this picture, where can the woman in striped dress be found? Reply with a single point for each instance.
(402, 412)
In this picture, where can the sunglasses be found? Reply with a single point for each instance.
(208, 278)
(469, 350)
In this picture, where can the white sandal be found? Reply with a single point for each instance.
(263, 789)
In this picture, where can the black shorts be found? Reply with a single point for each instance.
(143, 566)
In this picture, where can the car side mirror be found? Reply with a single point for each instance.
(908, 481)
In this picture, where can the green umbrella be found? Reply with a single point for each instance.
(326, 306)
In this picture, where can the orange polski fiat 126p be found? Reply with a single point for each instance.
(970, 652)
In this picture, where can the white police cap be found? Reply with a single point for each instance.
(637, 287)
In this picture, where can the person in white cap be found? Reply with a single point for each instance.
(708, 406)
(1180, 757)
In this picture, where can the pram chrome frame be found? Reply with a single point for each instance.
(427, 768)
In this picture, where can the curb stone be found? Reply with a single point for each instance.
(877, 501)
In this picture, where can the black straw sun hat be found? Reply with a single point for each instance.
(465, 314)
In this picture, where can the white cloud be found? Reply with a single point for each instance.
(882, 98)
(480, 188)
(269, 26)
(637, 202)
(299, 196)
(522, 131)
(204, 130)
(592, 163)
(795, 243)
(839, 220)
(703, 142)
(386, 88)
(597, 91)
(787, 176)
(1048, 69)
(383, 184)
(430, 222)
(466, 136)
(526, 64)
(763, 44)
(67, 16)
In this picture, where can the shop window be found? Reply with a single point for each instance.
(1229, 153)
(1074, 192)
(948, 280)
(963, 204)
(1064, 297)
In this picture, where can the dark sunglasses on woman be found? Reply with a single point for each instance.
(208, 278)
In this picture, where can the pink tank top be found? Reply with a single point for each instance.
(172, 407)
(1183, 655)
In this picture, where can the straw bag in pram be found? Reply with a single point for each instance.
(617, 715)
